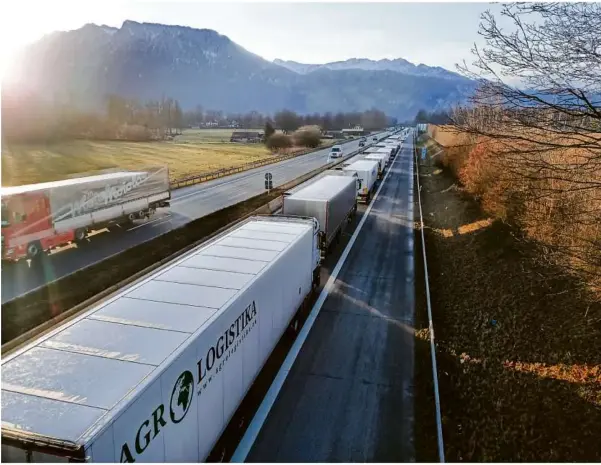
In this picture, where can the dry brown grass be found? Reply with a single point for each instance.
(538, 190)
(518, 341)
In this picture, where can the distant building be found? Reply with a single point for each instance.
(353, 132)
(247, 136)
(333, 135)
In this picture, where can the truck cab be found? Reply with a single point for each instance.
(26, 226)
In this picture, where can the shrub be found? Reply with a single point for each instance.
(269, 130)
(546, 193)
(307, 136)
(134, 133)
(278, 142)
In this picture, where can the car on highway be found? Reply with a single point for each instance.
(361, 143)
(336, 152)
(375, 139)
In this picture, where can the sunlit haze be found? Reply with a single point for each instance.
(436, 34)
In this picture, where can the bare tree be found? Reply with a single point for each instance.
(538, 110)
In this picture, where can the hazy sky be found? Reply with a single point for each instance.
(439, 34)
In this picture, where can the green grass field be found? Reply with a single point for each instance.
(195, 151)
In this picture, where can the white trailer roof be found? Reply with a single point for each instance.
(312, 180)
(362, 165)
(324, 188)
(337, 173)
(376, 156)
(5, 191)
(69, 383)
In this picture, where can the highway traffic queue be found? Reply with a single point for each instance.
(155, 372)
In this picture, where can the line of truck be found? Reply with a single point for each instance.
(155, 372)
(38, 218)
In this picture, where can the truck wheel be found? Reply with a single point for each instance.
(367, 198)
(34, 250)
(80, 235)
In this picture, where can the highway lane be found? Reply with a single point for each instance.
(188, 203)
(348, 395)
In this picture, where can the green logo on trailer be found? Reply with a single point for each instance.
(181, 397)
(182, 393)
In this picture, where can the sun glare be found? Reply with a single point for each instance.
(20, 27)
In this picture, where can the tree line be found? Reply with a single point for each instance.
(27, 118)
(288, 120)
(534, 157)
(434, 117)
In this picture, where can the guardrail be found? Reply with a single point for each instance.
(439, 435)
(199, 178)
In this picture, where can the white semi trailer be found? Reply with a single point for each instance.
(332, 200)
(332, 172)
(367, 173)
(390, 152)
(381, 159)
(40, 217)
(155, 373)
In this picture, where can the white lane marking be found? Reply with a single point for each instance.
(258, 420)
(167, 220)
(149, 222)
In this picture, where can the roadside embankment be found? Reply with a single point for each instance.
(518, 341)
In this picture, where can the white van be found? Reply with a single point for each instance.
(336, 152)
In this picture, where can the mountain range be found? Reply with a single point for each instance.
(399, 65)
(203, 67)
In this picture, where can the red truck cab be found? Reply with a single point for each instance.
(27, 228)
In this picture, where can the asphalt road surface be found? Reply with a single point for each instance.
(349, 394)
(187, 204)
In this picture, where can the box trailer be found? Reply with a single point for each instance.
(395, 143)
(347, 173)
(330, 172)
(380, 158)
(388, 151)
(39, 217)
(367, 173)
(155, 372)
(372, 149)
(332, 200)
(350, 161)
